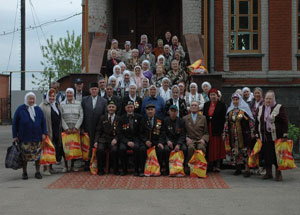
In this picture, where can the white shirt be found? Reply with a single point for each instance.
(94, 99)
(177, 105)
(166, 95)
(78, 96)
(102, 93)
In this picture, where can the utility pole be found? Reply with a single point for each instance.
(23, 52)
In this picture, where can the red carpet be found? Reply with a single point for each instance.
(84, 180)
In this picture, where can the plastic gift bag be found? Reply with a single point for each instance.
(198, 164)
(283, 150)
(197, 68)
(48, 152)
(93, 163)
(227, 144)
(253, 160)
(152, 167)
(85, 146)
(176, 163)
(71, 145)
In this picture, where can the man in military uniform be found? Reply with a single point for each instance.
(106, 138)
(174, 131)
(128, 134)
(151, 135)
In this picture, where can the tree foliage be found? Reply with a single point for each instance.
(59, 58)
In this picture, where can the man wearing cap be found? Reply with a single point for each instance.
(93, 108)
(133, 97)
(106, 138)
(175, 135)
(196, 130)
(109, 96)
(128, 134)
(151, 135)
(78, 92)
(155, 99)
(127, 52)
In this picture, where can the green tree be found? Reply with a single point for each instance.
(59, 58)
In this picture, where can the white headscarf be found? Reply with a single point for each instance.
(173, 87)
(130, 85)
(67, 90)
(144, 35)
(148, 63)
(114, 71)
(130, 80)
(30, 109)
(53, 104)
(122, 64)
(190, 94)
(251, 94)
(159, 57)
(242, 106)
(206, 83)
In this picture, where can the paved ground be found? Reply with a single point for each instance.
(245, 196)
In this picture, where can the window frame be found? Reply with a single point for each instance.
(238, 30)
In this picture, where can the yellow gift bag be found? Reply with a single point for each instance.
(48, 152)
(198, 164)
(93, 163)
(176, 163)
(227, 144)
(85, 146)
(152, 167)
(71, 145)
(253, 160)
(284, 155)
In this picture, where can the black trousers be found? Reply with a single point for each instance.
(143, 155)
(124, 158)
(101, 155)
(167, 149)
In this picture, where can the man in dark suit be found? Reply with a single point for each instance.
(78, 90)
(151, 135)
(174, 135)
(102, 86)
(138, 102)
(109, 96)
(106, 138)
(93, 107)
(128, 134)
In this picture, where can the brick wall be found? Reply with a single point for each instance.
(280, 34)
(4, 86)
(191, 16)
(100, 16)
(219, 53)
(245, 64)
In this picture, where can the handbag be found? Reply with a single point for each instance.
(13, 159)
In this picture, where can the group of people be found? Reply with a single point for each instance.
(141, 104)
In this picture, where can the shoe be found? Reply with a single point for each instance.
(73, 169)
(247, 174)
(278, 176)
(52, 171)
(47, 173)
(165, 173)
(25, 176)
(38, 175)
(116, 173)
(64, 170)
(237, 172)
(268, 174)
(123, 173)
(187, 171)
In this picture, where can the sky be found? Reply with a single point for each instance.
(45, 10)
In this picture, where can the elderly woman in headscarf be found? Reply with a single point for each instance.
(144, 41)
(193, 95)
(138, 77)
(180, 59)
(159, 50)
(257, 101)
(161, 62)
(111, 63)
(158, 76)
(177, 101)
(215, 112)
(206, 86)
(182, 93)
(124, 85)
(127, 52)
(114, 46)
(271, 123)
(29, 129)
(239, 122)
(52, 113)
(134, 60)
(144, 91)
(72, 118)
(123, 67)
(164, 90)
(115, 85)
(147, 70)
(247, 95)
(117, 73)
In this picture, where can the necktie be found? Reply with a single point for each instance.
(131, 122)
(109, 119)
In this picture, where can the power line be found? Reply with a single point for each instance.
(12, 42)
(37, 18)
(41, 25)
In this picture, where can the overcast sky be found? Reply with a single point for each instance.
(46, 10)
